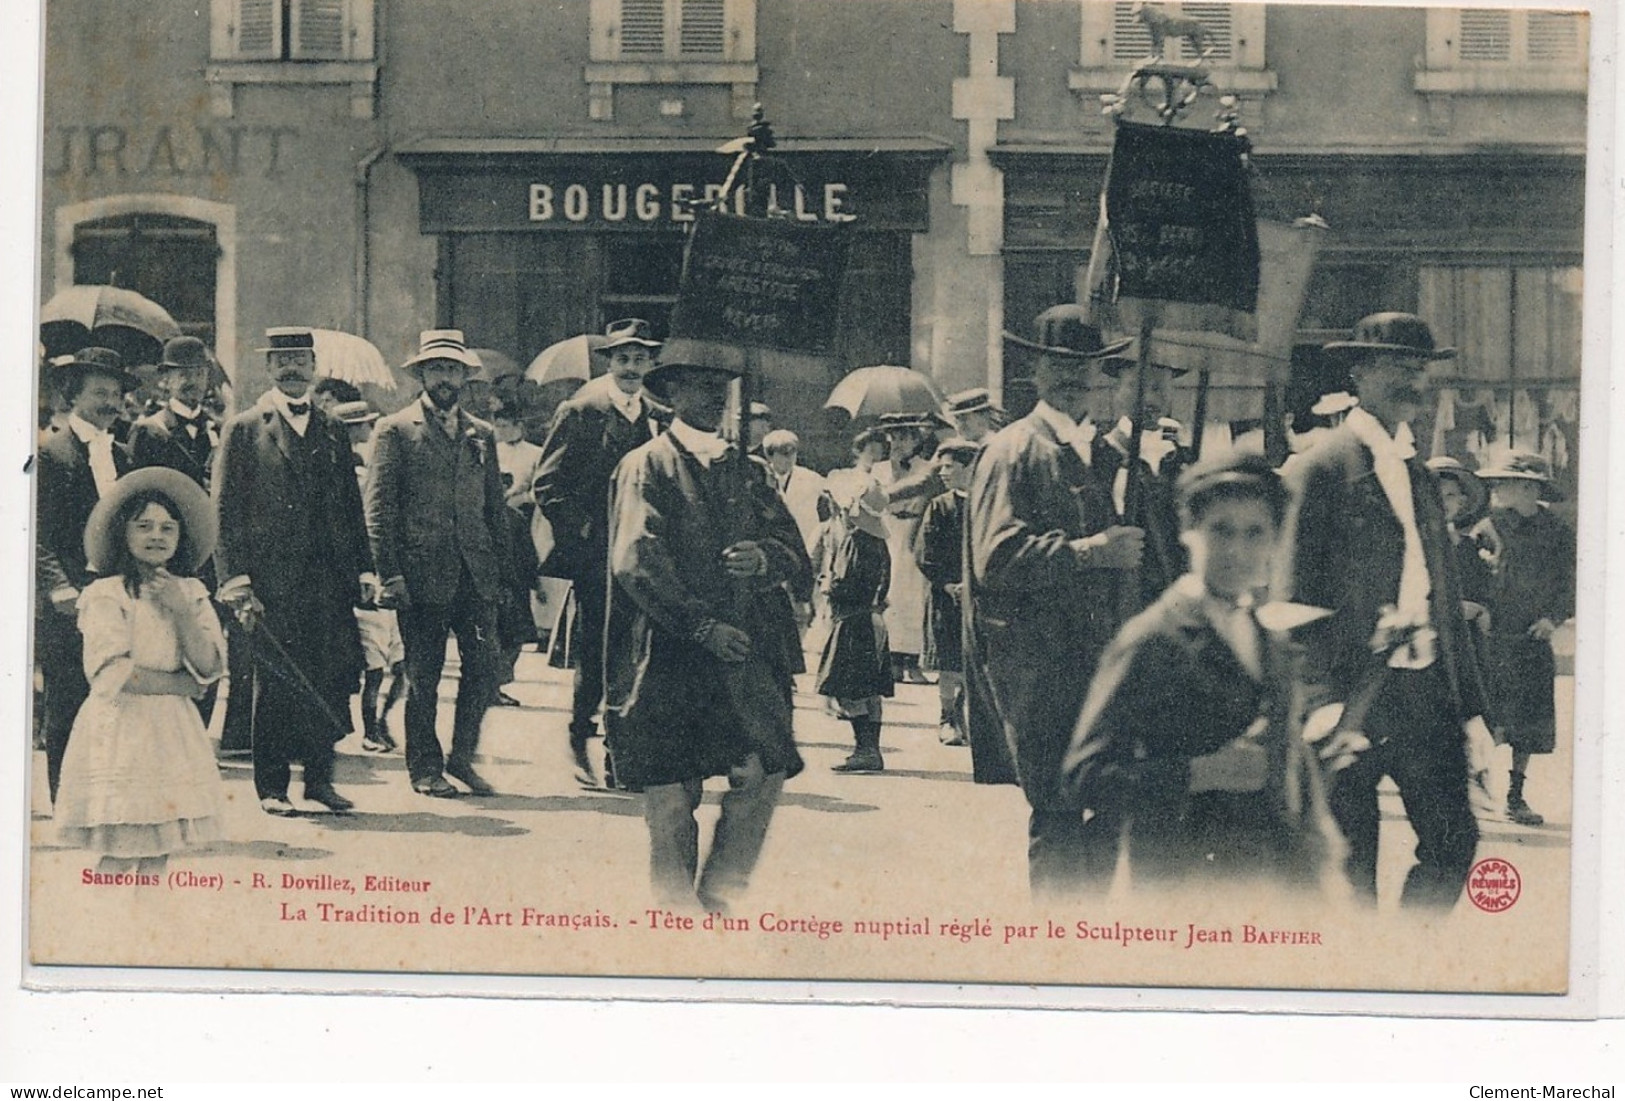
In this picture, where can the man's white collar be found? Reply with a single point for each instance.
(704, 446)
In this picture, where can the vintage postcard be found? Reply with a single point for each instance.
(1012, 493)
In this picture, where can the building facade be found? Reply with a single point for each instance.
(524, 171)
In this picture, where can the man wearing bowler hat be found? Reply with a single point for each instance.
(179, 435)
(76, 467)
(439, 529)
(592, 432)
(291, 555)
(1161, 463)
(1044, 553)
(699, 658)
(1394, 687)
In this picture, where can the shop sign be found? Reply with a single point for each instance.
(625, 193)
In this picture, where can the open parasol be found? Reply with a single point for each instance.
(131, 324)
(874, 391)
(570, 358)
(351, 358)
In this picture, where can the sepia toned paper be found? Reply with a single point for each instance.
(915, 875)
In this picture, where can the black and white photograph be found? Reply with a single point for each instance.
(1048, 493)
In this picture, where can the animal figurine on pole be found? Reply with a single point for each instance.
(1162, 27)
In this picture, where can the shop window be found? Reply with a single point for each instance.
(1114, 39)
(1517, 334)
(1502, 50)
(672, 42)
(293, 42)
(171, 260)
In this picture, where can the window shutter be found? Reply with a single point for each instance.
(320, 30)
(1554, 38)
(643, 28)
(254, 28)
(1131, 41)
(1486, 35)
(703, 28)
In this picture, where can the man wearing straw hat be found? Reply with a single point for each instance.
(698, 663)
(975, 414)
(292, 553)
(76, 467)
(592, 432)
(1393, 685)
(439, 530)
(1044, 555)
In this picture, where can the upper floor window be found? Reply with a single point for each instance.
(257, 42)
(672, 42)
(292, 30)
(1504, 50)
(674, 30)
(1115, 38)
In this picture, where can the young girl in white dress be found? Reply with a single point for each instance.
(139, 779)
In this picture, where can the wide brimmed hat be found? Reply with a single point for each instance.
(1518, 466)
(1230, 468)
(290, 338)
(760, 410)
(1114, 365)
(105, 361)
(1400, 333)
(196, 515)
(447, 344)
(1066, 332)
(978, 399)
(184, 353)
(1472, 486)
(699, 355)
(354, 412)
(631, 330)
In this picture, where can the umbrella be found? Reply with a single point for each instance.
(351, 358)
(570, 358)
(497, 364)
(873, 391)
(110, 317)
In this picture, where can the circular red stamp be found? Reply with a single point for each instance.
(1494, 885)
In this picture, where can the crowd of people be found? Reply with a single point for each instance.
(1207, 664)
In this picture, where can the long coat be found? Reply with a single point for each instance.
(290, 519)
(66, 495)
(939, 551)
(1168, 690)
(1533, 580)
(435, 505)
(856, 663)
(1037, 617)
(161, 439)
(1157, 512)
(1345, 553)
(589, 438)
(685, 713)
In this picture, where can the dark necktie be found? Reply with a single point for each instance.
(298, 408)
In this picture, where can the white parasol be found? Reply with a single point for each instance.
(570, 358)
(351, 358)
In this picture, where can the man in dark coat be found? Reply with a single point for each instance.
(592, 432)
(181, 435)
(698, 664)
(1044, 556)
(438, 521)
(1186, 733)
(292, 551)
(1161, 462)
(1393, 685)
(76, 466)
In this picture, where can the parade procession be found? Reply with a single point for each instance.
(1149, 501)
